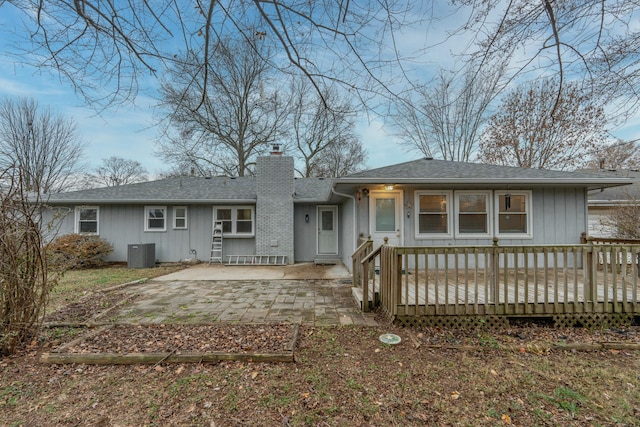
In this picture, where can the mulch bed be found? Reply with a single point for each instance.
(221, 337)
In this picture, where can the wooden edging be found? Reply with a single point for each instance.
(156, 358)
(171, 357)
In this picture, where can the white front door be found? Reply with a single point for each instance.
(385, 217)
(327, 230)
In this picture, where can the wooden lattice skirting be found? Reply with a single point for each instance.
(586, 320)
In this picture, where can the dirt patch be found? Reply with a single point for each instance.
(87, 308)
(187, 338)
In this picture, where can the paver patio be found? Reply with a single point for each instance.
(314, 301)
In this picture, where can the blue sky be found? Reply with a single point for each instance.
(128, 131)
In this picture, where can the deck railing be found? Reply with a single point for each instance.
(365, 246)
(504, 280)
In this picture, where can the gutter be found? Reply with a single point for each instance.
(592, 182)
(148, 201)
(355, 214)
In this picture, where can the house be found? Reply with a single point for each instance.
(418, 203)
(602, 201)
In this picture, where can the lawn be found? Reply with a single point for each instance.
(75, 284)
(342, 376)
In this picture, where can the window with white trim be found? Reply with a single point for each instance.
(513, 217)
(473, 213)
(236, 221)
(155, 218)
(86, 220)
(180, 217)
(433, 214)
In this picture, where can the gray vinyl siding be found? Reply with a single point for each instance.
(305, 234)
(558, 216)
(347, 237)
(122, 225)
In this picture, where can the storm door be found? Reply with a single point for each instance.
(327, 230)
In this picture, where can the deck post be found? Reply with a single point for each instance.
(589, 275)
(398, 278)
(495, 272)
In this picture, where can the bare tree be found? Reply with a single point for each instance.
(596, 40)
(524, 133)
(617, 155)
(318, 126)
(445, 120)
(40, 145)
(343, 158)
(96, 43)
(624, 220)
(240, 116)
(116, 171)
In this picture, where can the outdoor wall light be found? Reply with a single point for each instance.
(388, 187)
(306, 218)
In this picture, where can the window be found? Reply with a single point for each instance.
(236, 220)
(180, 217)
(432, 214)
(473, 214)
(513, 219)
(155, 218)
(87, 220)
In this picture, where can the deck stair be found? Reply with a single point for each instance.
(374, 297)
(256, 260)
(216, 244)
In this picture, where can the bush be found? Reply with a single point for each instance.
(24, 279)
(77, 251)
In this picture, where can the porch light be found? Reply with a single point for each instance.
(388, 187)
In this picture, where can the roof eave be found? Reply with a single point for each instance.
(150, 201)
(591, 183)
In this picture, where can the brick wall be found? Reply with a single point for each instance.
(274, 206)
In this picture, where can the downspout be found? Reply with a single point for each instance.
(355, 215)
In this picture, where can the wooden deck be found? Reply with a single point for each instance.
(493, 280)
(529, 293)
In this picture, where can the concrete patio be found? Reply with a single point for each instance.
(301, 293)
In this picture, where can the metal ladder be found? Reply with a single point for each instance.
(216, 243)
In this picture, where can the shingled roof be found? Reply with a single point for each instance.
(192, 190)
(432, 171)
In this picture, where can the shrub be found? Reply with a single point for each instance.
(24, 279)
(77, 251)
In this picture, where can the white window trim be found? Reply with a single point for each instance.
(489, 224)
(416, 219)
(175, 217)
(234, 216)
(146, 219)
(76, 227)
(529, 210)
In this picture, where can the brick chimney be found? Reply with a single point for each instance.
(275, 186)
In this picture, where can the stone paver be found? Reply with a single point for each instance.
(314, 301)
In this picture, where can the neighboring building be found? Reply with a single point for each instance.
(602, 201)
(418, 203)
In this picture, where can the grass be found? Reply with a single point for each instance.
(76, 283)
(342, 376)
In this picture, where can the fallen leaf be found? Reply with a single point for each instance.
(455, 395)
(179, 370)
(506, 419)
(494, 373)
(254, 375)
